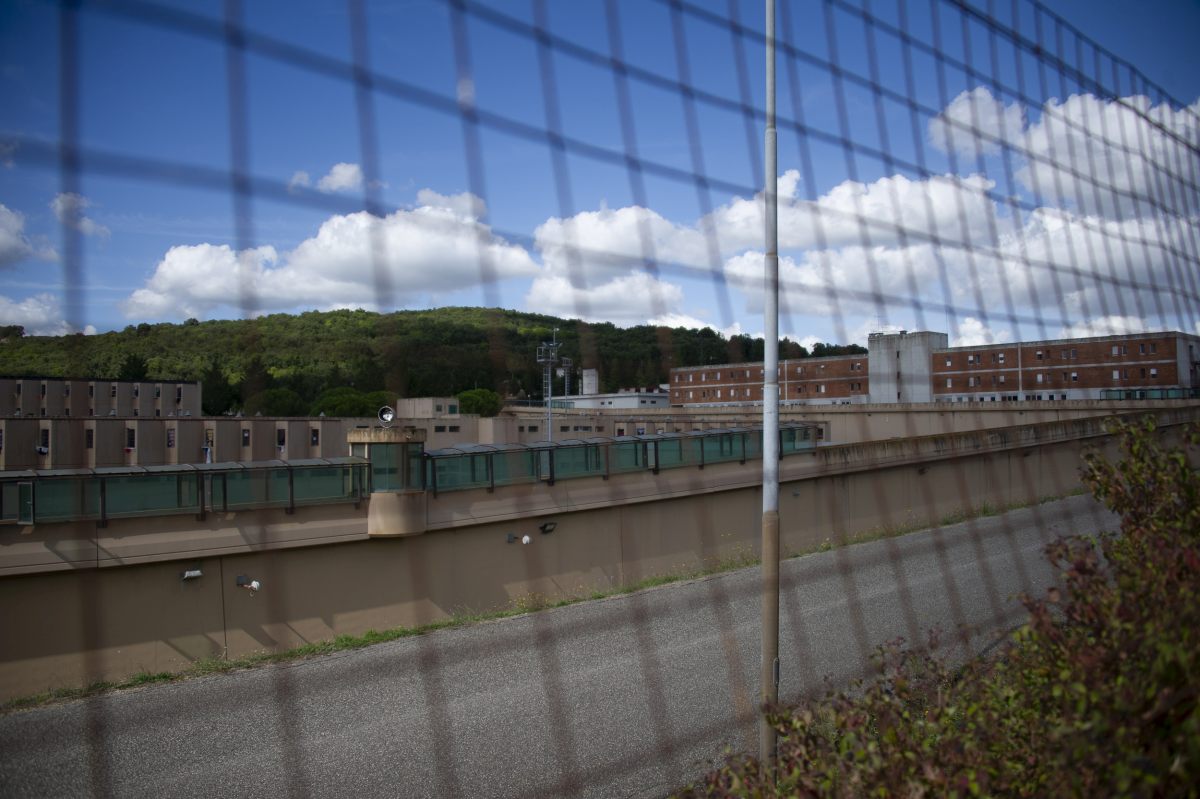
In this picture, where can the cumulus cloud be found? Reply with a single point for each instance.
(14, 244)
(1097, 156)
(425, 251)
(1105, 326)
(674, 320)
(299, 180)
(972, 333)
(68, 208)
(1114, 158)
(465, 204)
(341, 177)
(628, 299)
(40, 315)
(976, 122)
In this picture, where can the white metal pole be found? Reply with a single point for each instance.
(769, 672)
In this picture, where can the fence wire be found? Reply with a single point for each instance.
(981, 165)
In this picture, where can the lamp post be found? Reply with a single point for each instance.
(547, 356)
(769, 666)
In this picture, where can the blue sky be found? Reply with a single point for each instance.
(1005, 201)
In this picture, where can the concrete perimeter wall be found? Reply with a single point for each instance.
(107, 615)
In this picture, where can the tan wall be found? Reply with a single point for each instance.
(322, 576)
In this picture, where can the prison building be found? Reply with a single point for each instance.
(50, 396)
(919, 366)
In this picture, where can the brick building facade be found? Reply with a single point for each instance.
(919, 367)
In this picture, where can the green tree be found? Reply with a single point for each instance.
(482, 401)
(133, 368)
(217, 395)
(276, 402)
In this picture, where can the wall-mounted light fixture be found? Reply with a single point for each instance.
(250, 585)
(548, 527)
(512, 539)
(191, 574)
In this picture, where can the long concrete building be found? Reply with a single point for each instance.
(920, 366)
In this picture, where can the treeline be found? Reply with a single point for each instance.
(319, 361)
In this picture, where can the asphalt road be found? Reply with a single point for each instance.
(628, 696)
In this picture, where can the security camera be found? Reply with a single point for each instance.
(525, 539)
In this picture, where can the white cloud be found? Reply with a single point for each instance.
(300, 180)
(1115, 158)
(1105, 326)
(972, 333)
(1099, 157)
(40, 315)
(611, 241)
(894, 209)
(973, 122)
(341, 177)
(424, 252)
(674, 320)
(15, 244)
(628, 299)
(68, 208)
(465, 204)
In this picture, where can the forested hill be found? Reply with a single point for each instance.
(437, 352)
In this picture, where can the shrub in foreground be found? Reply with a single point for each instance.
(1097, 694)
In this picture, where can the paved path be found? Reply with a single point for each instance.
(629, 696)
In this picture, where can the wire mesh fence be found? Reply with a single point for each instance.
(981, 167)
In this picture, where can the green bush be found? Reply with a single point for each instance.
(1095, 696)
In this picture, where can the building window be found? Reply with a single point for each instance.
(157, 392)
(112, 391)
(1001, 357)
(565, 428)
(1142, 349)
(1153, 348)
(453, 409)
(178, 394)
(439, 428)
(67, 390)
(43, 389)
(91, 390)
(130, 438)
(1074, 377)
(89, 439)
(281, 437)
(135, 412)
(43, 411)
(1153, 373)
(453, 428)
(949, 382)
(44, 440)
(533, 428)
(948, 361)
(691, 376)
(1074, 354)
(521, 429)
(314, 436)
(170, 438)
(1041, 378)
(1116, 374)
(1039, 355)
(137, 389)
(718, 377)
(209, 435)
(821, 388)
(245, 437)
